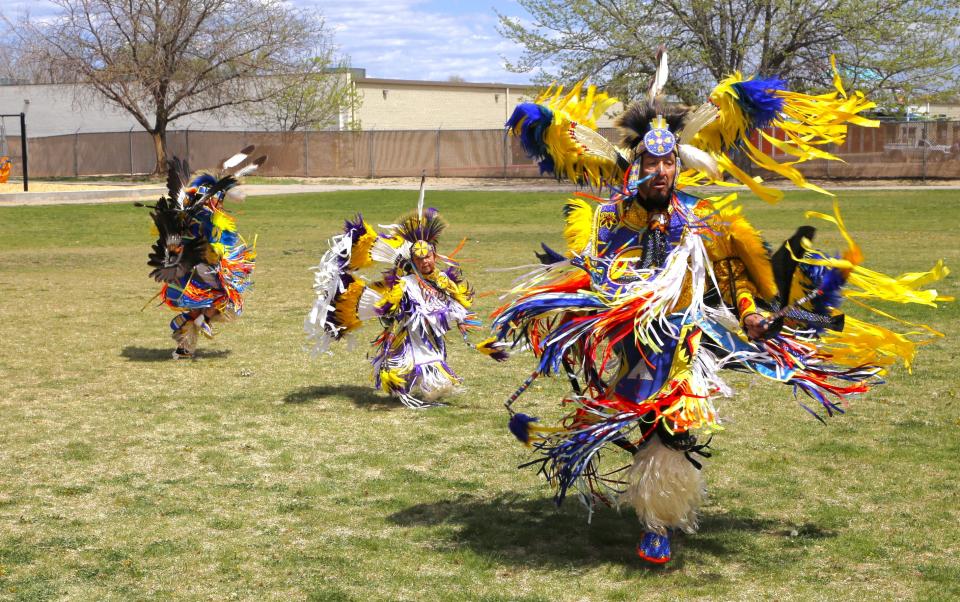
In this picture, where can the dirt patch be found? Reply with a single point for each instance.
(41, 186)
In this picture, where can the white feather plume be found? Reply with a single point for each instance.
(249, 169)
(660, 77)
(238, 158)
(693, 157)
(423, 188)
(696, 120)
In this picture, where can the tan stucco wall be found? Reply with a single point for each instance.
(429, 106)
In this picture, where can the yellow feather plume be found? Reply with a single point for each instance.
(220, 219)
(391, 381)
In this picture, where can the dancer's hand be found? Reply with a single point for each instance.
(755, 325)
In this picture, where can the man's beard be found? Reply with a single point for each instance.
(655, 201)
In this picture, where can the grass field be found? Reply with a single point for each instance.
(254, 473)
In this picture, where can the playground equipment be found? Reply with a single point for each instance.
(6, 163)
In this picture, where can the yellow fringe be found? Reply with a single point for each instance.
(579, 225)
(741, 240)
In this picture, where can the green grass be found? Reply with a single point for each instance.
(255, 473)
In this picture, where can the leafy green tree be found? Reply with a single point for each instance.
(887, 48)
(323, 97)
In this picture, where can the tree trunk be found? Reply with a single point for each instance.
(160, 146)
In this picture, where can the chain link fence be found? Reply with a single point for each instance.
(915, 149)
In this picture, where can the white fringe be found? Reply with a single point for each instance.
(326, 283)
(665, 489)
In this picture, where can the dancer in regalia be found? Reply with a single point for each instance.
(418, 299)
(659, 289)
(203, 262)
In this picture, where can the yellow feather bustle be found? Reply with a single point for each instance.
(390, 296)
(570, 157)
(360, 251)
(809, 122)
(345, 306)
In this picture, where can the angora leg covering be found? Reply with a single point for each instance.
(664, 488)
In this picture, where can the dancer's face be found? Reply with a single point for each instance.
(655, 192)
(426, 265)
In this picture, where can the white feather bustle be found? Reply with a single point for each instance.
(384, 252)
(664, 489)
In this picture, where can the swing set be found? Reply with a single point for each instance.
(6, 162)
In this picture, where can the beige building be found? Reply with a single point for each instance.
(387, 104)
(398, 104)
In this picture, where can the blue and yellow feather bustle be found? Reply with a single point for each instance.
(548, 130)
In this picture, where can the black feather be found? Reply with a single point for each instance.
(635, 121)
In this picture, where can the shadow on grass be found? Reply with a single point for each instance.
(362, 397)
(146, 354)
(536, 532)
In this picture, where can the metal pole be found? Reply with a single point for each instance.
(370, 152)
(504, 153)
(76, 153)
(923, 153)
(23, 152)
(438, 153)
(130, 145)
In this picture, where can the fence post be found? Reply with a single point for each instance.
(76, 153)
(186, 143)
(438, 153)
(923, 153)
(505, 147)
(23, 152)
(370, 153)
(130, 145)
(306, 154)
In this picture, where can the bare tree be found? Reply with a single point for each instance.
(907, 47)
(161, 60)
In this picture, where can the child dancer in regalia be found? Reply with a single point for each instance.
(418, 299)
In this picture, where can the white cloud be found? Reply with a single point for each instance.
(399, 39)
(411, 40)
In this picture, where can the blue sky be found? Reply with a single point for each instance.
(403, 39)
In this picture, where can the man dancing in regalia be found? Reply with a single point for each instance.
(660, 289)
(203, 262)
